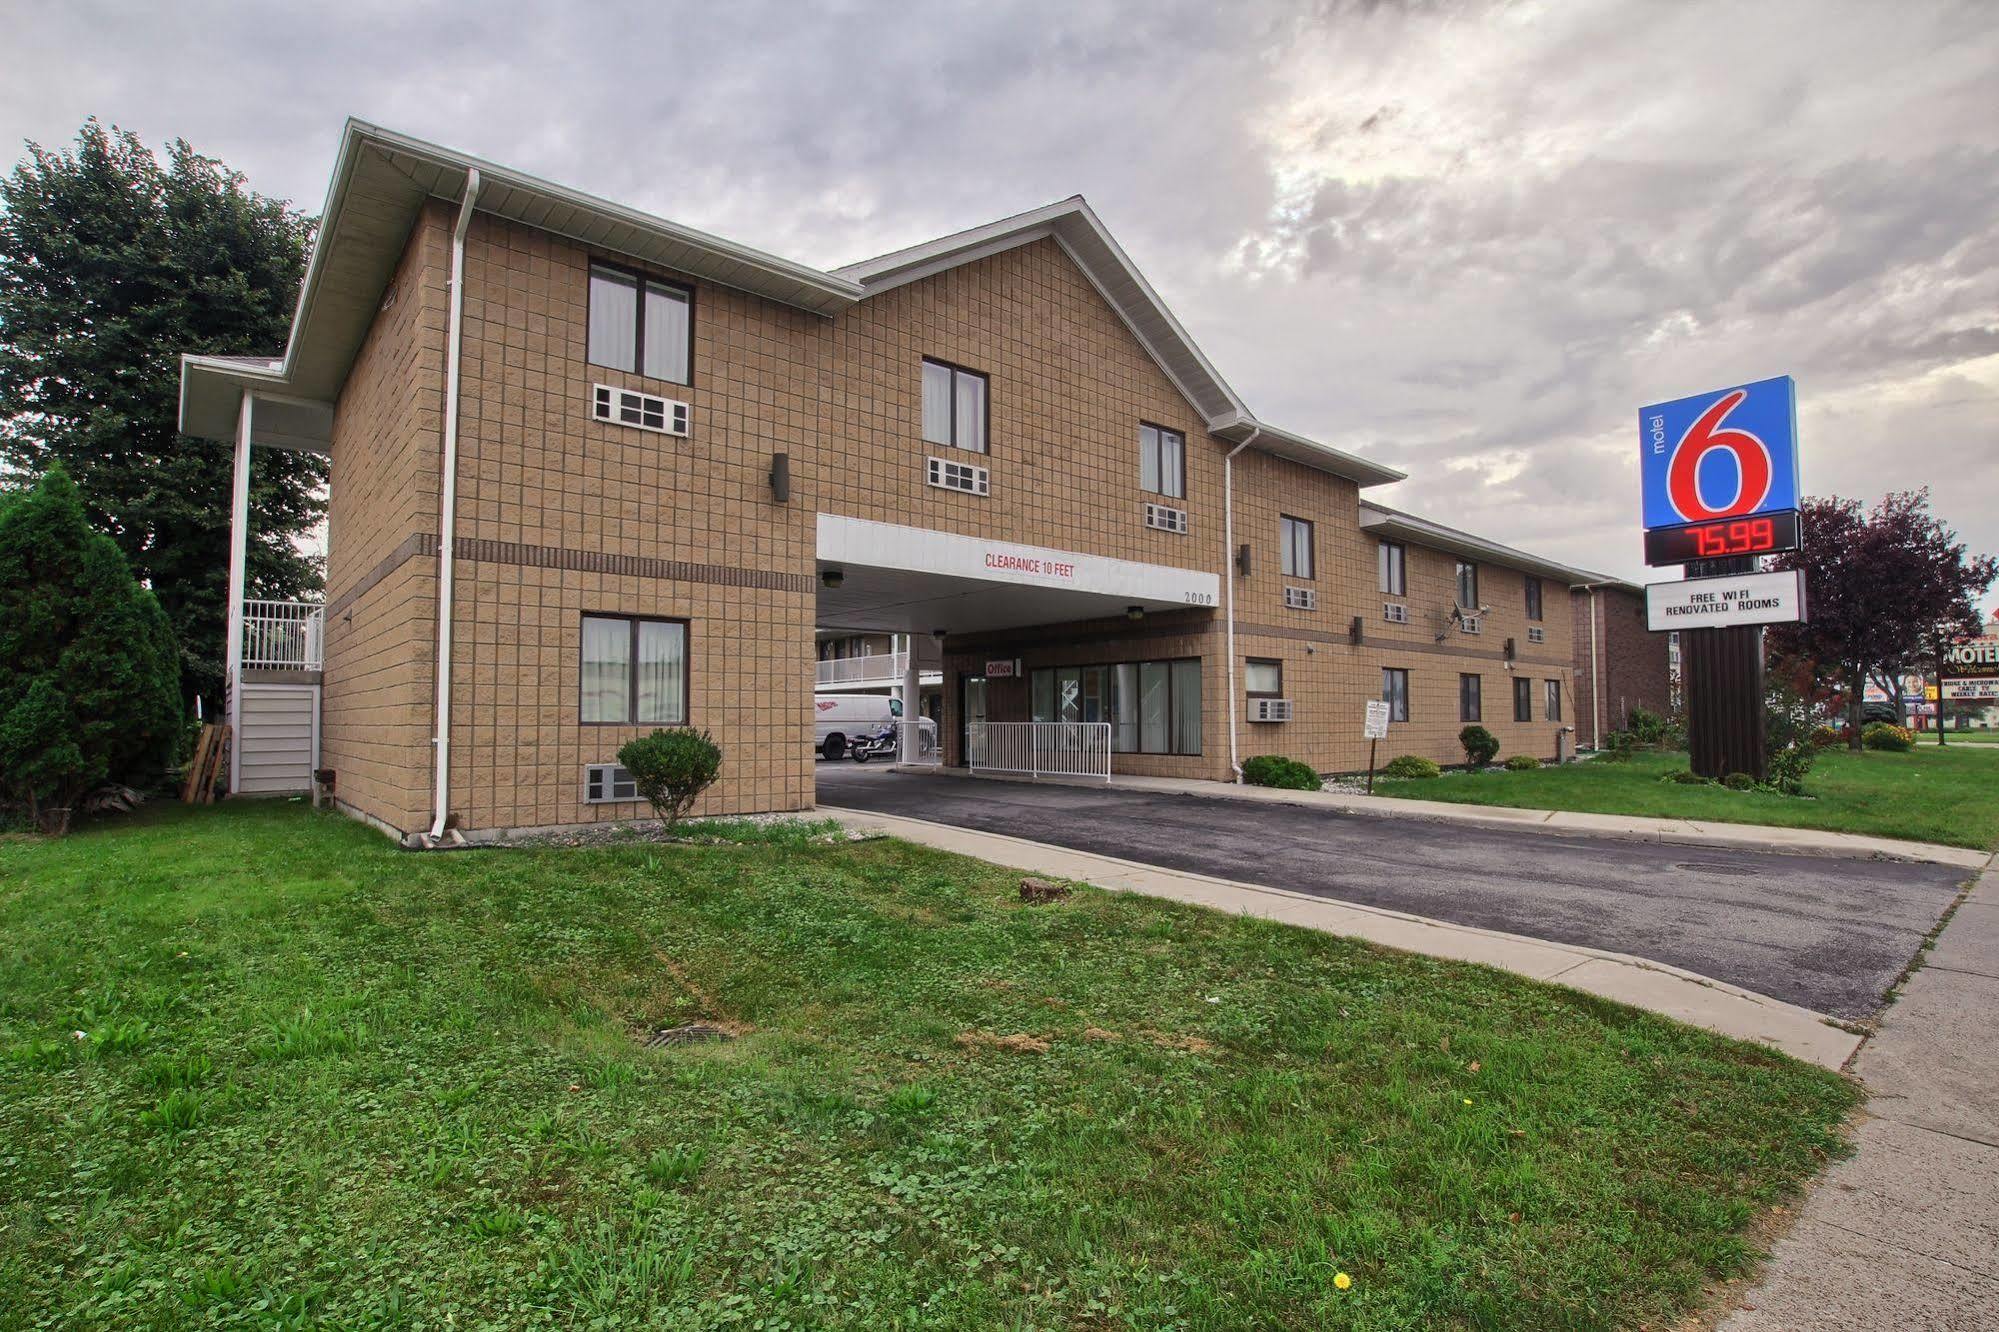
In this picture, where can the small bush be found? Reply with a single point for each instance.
(1683, 777)
(1411, 766)
(1523, 763)
(1788, 768)
(1825, 737)
(1887, 736)
(1480, 745)
(672, 769)
(1276, 770)
(1618, 745)
(1739, 781)
(1647, 728)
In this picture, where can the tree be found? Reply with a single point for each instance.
(671, 769)
(113, 263)
(1886, 591)
(89, 673)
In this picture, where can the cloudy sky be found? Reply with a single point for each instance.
(1470, 239)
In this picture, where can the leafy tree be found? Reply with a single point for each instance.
(89, 674)
(671, 769)
(112, 263)
(1886, 591)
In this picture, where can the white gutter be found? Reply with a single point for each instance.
(447, 523)
(1595, 674)
(1229, 572)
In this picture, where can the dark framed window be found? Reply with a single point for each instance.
(1554, 700)
(1467, 585)
(1393, 565)
(1395, 692)
(1263, 678)
(1154, 707)
(1162, 461)
(1294, 539)
(1471, 703)
(956, 406)
(1523, 699)
(634, 671)
(640, 324)
(1533, 598)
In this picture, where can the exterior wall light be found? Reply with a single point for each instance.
(832, 577)
(1134, 612)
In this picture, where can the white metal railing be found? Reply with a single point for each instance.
(917, 743)
(286, 635)
(882, 668)
(1040, 749)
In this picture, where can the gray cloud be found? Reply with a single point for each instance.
(1471, 239)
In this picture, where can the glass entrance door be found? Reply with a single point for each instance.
(971, 712)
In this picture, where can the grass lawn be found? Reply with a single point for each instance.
(321, 1082)
(1928, 795)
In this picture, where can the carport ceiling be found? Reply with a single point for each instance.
(905, 601)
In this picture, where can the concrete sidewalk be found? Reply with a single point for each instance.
(1802, 841)
(1904, 1235)
(1683, 995)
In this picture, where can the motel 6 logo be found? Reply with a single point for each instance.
(1724, 454)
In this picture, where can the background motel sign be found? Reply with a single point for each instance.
(1719, 473)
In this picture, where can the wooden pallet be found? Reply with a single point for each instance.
(204, 768)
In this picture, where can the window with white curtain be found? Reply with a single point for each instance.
(1393, 569)
(1294, 539)
(954, 406)
(1162, 461)
(634, 671)
(639, 324)
(1395, 692)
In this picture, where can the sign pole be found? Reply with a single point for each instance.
(1726, 722)
(1370, 765)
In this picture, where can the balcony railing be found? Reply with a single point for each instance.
(883, 668)
(283, 635)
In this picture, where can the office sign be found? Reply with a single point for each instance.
(1718, 473)
(1726, 602)
(1003, 668)
(1376, 725)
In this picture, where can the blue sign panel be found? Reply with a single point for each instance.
(1726, 454)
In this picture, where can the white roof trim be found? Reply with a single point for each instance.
(1421, 531)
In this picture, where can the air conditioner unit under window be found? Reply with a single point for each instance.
(1471, 624)
(1301, 598)
(1394, 612)
(1536, 635)
(1165, 517)
(643, 410)
(605, 783)
(1270, 709)
(948, 474)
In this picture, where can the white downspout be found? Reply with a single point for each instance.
(1595, 674)
(239, 565)
(1229, 577)
(447, 523)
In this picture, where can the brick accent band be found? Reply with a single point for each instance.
(413, 545)
(632, 566)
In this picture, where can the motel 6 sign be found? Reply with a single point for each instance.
(1719, 473)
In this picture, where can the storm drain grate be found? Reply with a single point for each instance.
(1717, 867)
(688, 1033)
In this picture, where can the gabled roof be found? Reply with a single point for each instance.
(381, 179)
(1384, 521)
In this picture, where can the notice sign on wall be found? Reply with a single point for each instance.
(1726, 602)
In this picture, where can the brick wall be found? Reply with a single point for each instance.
(381, 561)
(1631, 661)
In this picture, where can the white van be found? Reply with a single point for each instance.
(844, 718)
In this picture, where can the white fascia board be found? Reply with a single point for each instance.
(864, 543)
(1423, 532)
(1306, 451)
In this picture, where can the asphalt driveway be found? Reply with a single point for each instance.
(1831, 935)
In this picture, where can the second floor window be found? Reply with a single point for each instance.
(954, 406)
(1394, 568)
(639, 325)
(1467, 585)
(1533, 598)
(1295, 537)
(1162, 461)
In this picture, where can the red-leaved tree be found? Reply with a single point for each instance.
(1886, 591)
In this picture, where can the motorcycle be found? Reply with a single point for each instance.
(882, 744)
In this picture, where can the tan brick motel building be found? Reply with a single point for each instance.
(594, 472)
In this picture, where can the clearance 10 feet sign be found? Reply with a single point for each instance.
(1720, 473)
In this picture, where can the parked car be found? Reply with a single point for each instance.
(844, 718)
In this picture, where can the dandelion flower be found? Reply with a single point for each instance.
(1467, 1100)
(1342, 1280)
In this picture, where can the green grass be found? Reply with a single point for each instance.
(1927, 795)
(325, 1083)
